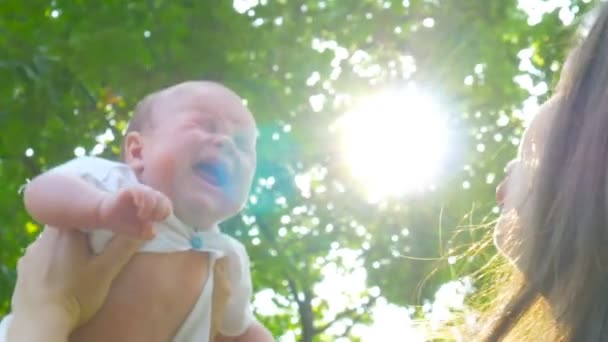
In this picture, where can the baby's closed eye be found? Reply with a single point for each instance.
(243, 142)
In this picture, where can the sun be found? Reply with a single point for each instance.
(394, 142)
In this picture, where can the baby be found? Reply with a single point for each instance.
(189, 157)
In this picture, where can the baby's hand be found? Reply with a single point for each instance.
(133, 210)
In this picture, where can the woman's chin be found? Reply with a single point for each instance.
(506, 237)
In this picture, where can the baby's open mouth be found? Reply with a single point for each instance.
(214, 173)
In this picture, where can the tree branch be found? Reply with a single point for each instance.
(347, 313)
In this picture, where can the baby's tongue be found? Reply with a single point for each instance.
(207, 173)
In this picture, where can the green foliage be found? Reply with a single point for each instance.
(71, 71)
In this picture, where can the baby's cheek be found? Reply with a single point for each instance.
(243, 188)
(167, 173)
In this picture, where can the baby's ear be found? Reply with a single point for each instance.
(133, 151)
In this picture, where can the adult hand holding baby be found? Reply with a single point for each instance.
(61, 283)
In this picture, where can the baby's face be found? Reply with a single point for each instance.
(200, 152)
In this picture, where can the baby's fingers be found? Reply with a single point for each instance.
(145, 202)
(146, 231)
(162, 209)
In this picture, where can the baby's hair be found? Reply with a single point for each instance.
(144, 110)
(142, 117)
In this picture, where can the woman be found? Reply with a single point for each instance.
(554, 225)
(61, 284)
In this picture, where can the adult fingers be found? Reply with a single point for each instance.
(116, 255)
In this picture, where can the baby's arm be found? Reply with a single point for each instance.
(255, 333)
(63, 200)
(67, 201)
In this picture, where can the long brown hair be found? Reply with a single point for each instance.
(562, 240)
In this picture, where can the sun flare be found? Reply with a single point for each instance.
(394, 142)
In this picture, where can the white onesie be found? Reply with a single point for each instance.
(174, 236)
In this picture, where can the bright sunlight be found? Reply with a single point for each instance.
(394, 142)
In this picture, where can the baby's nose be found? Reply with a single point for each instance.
(222, 142)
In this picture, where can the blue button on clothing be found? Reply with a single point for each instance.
(196, 242)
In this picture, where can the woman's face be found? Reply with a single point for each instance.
(513, 191)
